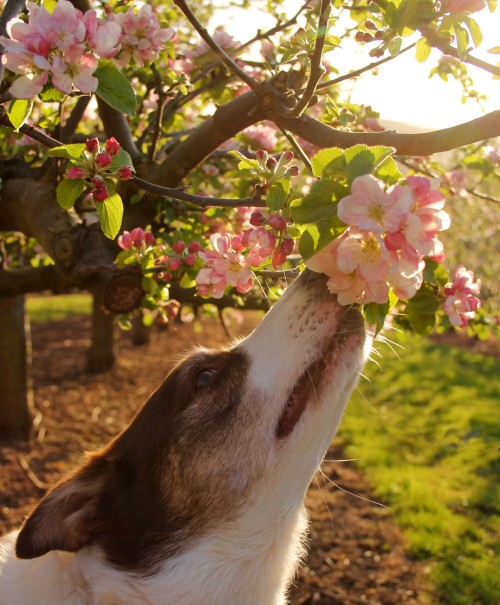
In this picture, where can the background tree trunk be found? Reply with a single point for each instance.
(16, 395)
(140, 334)
(100, 357)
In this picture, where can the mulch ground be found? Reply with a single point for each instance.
(356, 553)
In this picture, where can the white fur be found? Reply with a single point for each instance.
(249, 560)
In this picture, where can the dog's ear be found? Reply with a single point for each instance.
(66, 518)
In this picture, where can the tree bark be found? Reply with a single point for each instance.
(16, 395)
(100, 357)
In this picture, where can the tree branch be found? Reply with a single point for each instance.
(317, 70)
(71, 124)
(421, 144)
(199, 200)
(116, 125)
(221, 54)
(38, 279)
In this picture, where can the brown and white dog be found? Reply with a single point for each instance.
(200, 499)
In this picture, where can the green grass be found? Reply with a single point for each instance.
(43, 309)
(426, 429)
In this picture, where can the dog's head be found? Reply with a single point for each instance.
(222, 425)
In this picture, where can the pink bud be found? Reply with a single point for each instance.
(271, 164)
(149, 238)
(99, 182)
(112, 146)
(288, 156)
(124, 173)
(179, 246)
(194, 247)
(261, 155)
(190, 259)
(125, 241)
(101, 194)
(293, 171)
(173, 308)
(288, 246)
(92, 145)
(103, 160)
(75, 172)
(175, 263)
(277, 222)
(257, 219)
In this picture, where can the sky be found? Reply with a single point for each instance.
(402, 90)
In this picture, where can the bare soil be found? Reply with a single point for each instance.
(356, 553)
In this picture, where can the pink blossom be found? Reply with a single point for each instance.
(63, 28)
(112, 146)
(74, 69)
(102, 36)
(283, 249)
(456, 7)
(223, 39)
(461, 307)
(369, 207)
(142, 37)
(260, 241)
(365, 252)
(464, 280)
(136, 238)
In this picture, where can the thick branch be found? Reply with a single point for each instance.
(421, 144)
(116, 125)
(39, 279)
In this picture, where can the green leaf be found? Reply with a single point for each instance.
(361, 159)
(462, 40)
(187, 281)
(278, 195)
(122, 158)
(110, 214)
(421, 309)
(422, 50)
(495, 50)
(474, 30)
(19, 111)
(244, 161)
(70, 152)
(329, 163)
(320, 203)
(114, 88)
(388, 171)
(68, 191)
(375, 315)
(50, 94)
(318, 235)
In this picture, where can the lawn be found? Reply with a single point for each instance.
(42, 308)
(426, 430)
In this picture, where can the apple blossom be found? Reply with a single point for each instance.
(100, 194)
(460, 307)
(178, 246)
(112, 146)
(370, 207)
(456, 7)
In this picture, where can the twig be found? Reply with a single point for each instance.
(300, 152)
(362, 70)
(162, 99)
(317, 70)
(69, 128)
(221, 54)
(228, 334)
(199, 200)
(116, 125)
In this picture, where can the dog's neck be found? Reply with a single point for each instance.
(245, 561)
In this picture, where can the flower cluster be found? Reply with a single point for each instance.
(137, 239)
(460, 304)
(141, 35)
(65, 45)
(389, 233)
(95, 167)
(269, 170)
(176, 259)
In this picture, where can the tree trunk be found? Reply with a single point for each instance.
(100, 357)
(16, 395)
(140, 334)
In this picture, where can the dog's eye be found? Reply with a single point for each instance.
(203, 378)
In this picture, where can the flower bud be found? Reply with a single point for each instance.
(257, 219)
(277, 222)
(288, 156)
(124, 173)
(293, 171)
(112, 146)
(92, 145)
(175, 263)
(75, 172)
(190, 259)
(271, 163)
(261, 155)
(179, 246)
(99, 182)
(194, 247)
(103, 160)
(100, 194)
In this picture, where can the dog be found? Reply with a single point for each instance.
(201, 499)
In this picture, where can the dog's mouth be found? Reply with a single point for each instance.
(304, 389)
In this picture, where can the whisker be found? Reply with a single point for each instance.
(346, 491)
(324, 499)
